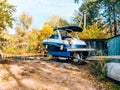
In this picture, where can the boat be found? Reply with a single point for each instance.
(64, 42)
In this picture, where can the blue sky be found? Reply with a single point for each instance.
(41, 10)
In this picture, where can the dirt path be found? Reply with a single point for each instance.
(44, 75)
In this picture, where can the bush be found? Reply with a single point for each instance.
(11, 50)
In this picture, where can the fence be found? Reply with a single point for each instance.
(100, 46)
(21, 57)
(114, 45)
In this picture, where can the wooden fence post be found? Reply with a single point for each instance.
(0, 57)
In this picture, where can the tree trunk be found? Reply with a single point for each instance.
(110, 16)
(115, 19)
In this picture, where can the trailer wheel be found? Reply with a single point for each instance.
(69, 60)
(80, 62)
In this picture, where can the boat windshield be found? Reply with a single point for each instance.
(68, 34)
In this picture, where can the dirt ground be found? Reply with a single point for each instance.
(45, 75)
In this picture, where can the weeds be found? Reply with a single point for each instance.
(114, 87)
(99, 70)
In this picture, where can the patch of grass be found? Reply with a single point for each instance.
(114, 86)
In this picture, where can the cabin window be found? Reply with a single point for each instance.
(65, 34)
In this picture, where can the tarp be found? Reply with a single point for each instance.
(113, 70)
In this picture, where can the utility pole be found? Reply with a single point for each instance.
(84, 15)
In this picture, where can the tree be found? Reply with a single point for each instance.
(34, 40)
(25, 21)
(56, 21)
(37, 36)
(4, 39)
(6, 11)
(88, 12)
(109, 9)
(22, 31)
(93, 32)
(111, 12)
(46, 32)
(12, 44)
(6, 19)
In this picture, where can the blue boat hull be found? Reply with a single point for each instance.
(60, 54)
(54, 50)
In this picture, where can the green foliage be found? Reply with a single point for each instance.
(110, 7)
(114, 87)
(92, 11)
(95, 9)
(111, 12)
(93, 32)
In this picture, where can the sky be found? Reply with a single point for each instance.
(41, 10)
